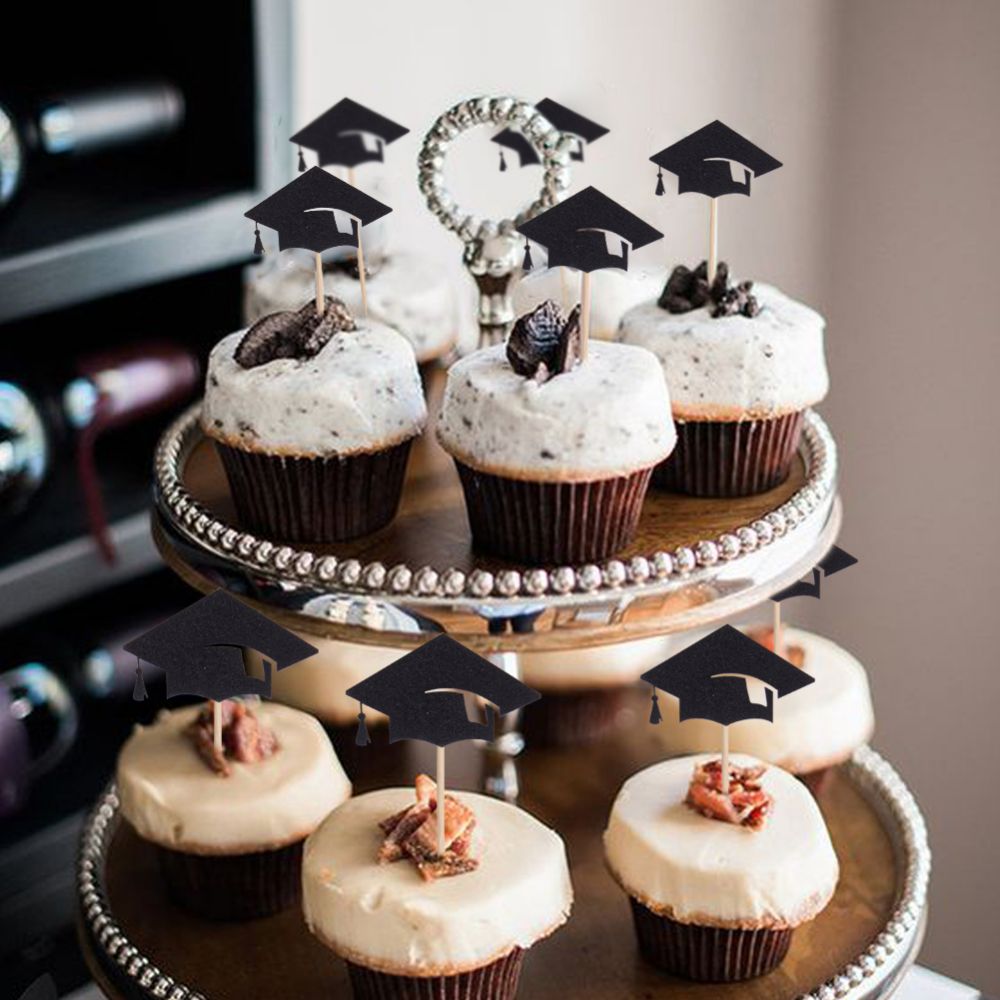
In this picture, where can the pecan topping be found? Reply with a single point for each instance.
(301, 335)
(544, 343)
(795, 655)
(244, 737)
(686, 290)
(747, 804)
(412, 833)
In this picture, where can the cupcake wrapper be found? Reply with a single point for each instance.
(234, 886)
(572, 718)
(496, 981)
(315, 499)
(707, 954)
(554, 523)
(736, 459)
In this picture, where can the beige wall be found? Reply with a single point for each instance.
(886, 117)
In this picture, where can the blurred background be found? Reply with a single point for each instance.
(883, 217)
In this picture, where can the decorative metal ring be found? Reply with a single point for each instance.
(552, 146)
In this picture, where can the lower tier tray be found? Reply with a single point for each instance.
(138, 945)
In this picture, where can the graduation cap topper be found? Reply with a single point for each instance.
(564, 119)
(833, 562)
(201, 649)
(302, 212)
(348, 134)
(709, 161)
(422, 694)
(575, 232)
(709, 678)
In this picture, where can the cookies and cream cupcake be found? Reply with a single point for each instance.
(404, 290)
(819, 728)
(229, 827)
(743, 364)
(411, 922)
(313, 417)
(718, 882)
(554, 452)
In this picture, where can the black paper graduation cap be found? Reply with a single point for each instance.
(709, 678)
(422, 694)
(575, 232)
(704, 161)
(201, 649)
(43, 988)
(302, 212)
(348, 134)
(564, 119)
(833, 562)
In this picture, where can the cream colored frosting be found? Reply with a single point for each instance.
(618, 665)
(820, 725)
(360, 393)
(704, 871)
(406, 292)
(388, 918)
(604, 418)
(613, 293)
(172, 798)
(735, 367)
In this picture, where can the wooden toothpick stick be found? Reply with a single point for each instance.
(361, 254)
(779, 639)
(440, 800)
(713, 239)
(320, 292)
(725, 760)
(584, 315)
(217, 725)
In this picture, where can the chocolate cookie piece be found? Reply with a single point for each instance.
(686, 290)
(300, 335)
(543, 343)
(570, 346)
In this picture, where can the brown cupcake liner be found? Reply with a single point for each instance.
(707, 954)
(572, 718)
(496, 981)
(730, 459)
(554, 523)
(234, 886)
(315, 499)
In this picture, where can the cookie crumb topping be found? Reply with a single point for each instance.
(300, 335)
(544, 343)
(686, 290)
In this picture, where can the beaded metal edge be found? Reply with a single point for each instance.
(352, 577)
(859, 980)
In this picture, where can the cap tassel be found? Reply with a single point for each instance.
(139, 689)
(302, 162)
(258, 247)
(654, 713)
(503, 162)
(659, 181)
(362, 739)
(526, 264)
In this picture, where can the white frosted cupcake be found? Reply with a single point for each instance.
(229, 828)
(811, 733)
(313, 417)
(404, 291)
(414, 923)
(718, 883)
(555, 453)
(743, 364)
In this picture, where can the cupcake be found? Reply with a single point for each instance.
(404, 291)
(313, 417)
(584, 690)
(413, 923)
(554, 452)
(743, 364)
(717, 883)
(811, 733)
(229, 827)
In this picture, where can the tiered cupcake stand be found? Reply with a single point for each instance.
(695, 562)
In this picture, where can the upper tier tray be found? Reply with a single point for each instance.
(694, 561)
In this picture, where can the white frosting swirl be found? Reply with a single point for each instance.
(173, 798)
(735, 367)
(360, 393)
(604, 418)
(387, 917)
(406, 292)
(704, 871)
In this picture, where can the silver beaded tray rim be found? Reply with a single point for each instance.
(302, 567)
(870, 975)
